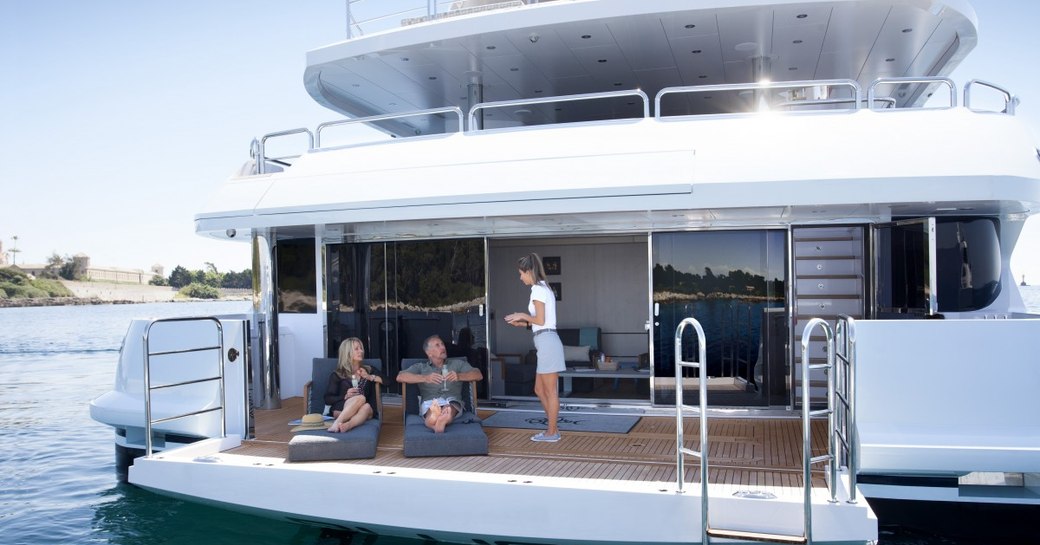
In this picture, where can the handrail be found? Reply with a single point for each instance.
(1010, 100)
(411, 12)
(828, 101)
(931, 79)
(261, 158)
(807, 413)
(562, 98)
(702, 454)
(857, 92)
(845, 376)
(385, 117)
(148, 388)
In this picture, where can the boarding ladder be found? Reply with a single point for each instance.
(841, 423)
(218, 379)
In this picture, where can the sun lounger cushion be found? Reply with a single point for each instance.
(314, 445)
(463, 437)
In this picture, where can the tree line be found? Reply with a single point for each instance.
(181, 277)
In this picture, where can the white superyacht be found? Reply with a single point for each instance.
(783, 210)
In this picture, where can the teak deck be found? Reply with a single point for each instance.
(745, 452)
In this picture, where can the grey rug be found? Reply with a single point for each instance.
(607, 423)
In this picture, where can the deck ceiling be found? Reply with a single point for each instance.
(561, 48)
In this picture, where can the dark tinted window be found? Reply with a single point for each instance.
(967, 263)
(297, 292)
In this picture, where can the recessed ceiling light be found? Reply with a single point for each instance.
(792, 68)
(617, 84)
(890, 59)
(802, 15)
(514, 69)
(490, 47)
(702, 76)
(907, 30)
(537, 90)
(405, 59)
(696, 51)
(433, 77)
(690, 26)
(586, 36)
(797, 42)
(602, 60)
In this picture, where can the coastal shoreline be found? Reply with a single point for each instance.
(114, 293)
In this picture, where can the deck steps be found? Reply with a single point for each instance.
(743, 535)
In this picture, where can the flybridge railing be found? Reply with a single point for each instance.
(369, 16)
(825, 89)
(1010, 100)
(899, 82)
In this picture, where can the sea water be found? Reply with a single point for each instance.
(58, 483)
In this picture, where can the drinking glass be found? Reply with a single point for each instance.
(444, 375)
(354, 380)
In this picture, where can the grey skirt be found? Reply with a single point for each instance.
(550, 352)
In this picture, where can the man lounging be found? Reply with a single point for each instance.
(440, 383)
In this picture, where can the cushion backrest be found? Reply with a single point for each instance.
(320, 371)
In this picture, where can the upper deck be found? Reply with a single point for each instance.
(414, 54)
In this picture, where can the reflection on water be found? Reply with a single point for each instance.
(128, 515)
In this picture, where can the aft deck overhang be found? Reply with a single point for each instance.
(559, 48)
(702, 171)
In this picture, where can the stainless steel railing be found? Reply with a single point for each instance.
(681, 451)
(1010, 100)
(845, 429)
(564, 98)
(148, 388)
(826, 88)
(872, 91)
(830, 84)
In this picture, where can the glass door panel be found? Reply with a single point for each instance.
(394, 295)
(904, 275)
(734, 284)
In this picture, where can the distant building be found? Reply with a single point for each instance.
(3, 256)
(83, 270)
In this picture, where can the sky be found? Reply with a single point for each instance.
(118, 118)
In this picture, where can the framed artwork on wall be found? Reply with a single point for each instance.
(552, 265)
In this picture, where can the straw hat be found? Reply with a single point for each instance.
(312, 421)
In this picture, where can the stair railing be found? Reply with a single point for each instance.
(681, 451)
(148, 388)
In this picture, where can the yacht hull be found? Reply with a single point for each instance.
(462, 507)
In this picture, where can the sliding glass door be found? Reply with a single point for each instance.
(734, 284)
(394, 295)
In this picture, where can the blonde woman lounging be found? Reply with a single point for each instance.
(351, 391)
(541, 315)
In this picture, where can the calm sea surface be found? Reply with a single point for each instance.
(57, 476)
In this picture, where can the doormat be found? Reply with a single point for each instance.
(606, 423)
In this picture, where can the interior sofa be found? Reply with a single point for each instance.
(581, 347)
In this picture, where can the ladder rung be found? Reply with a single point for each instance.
(691, 452)
(820, 458)
(821, 412)
(755, 536)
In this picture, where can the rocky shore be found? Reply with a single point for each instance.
(112, 293)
